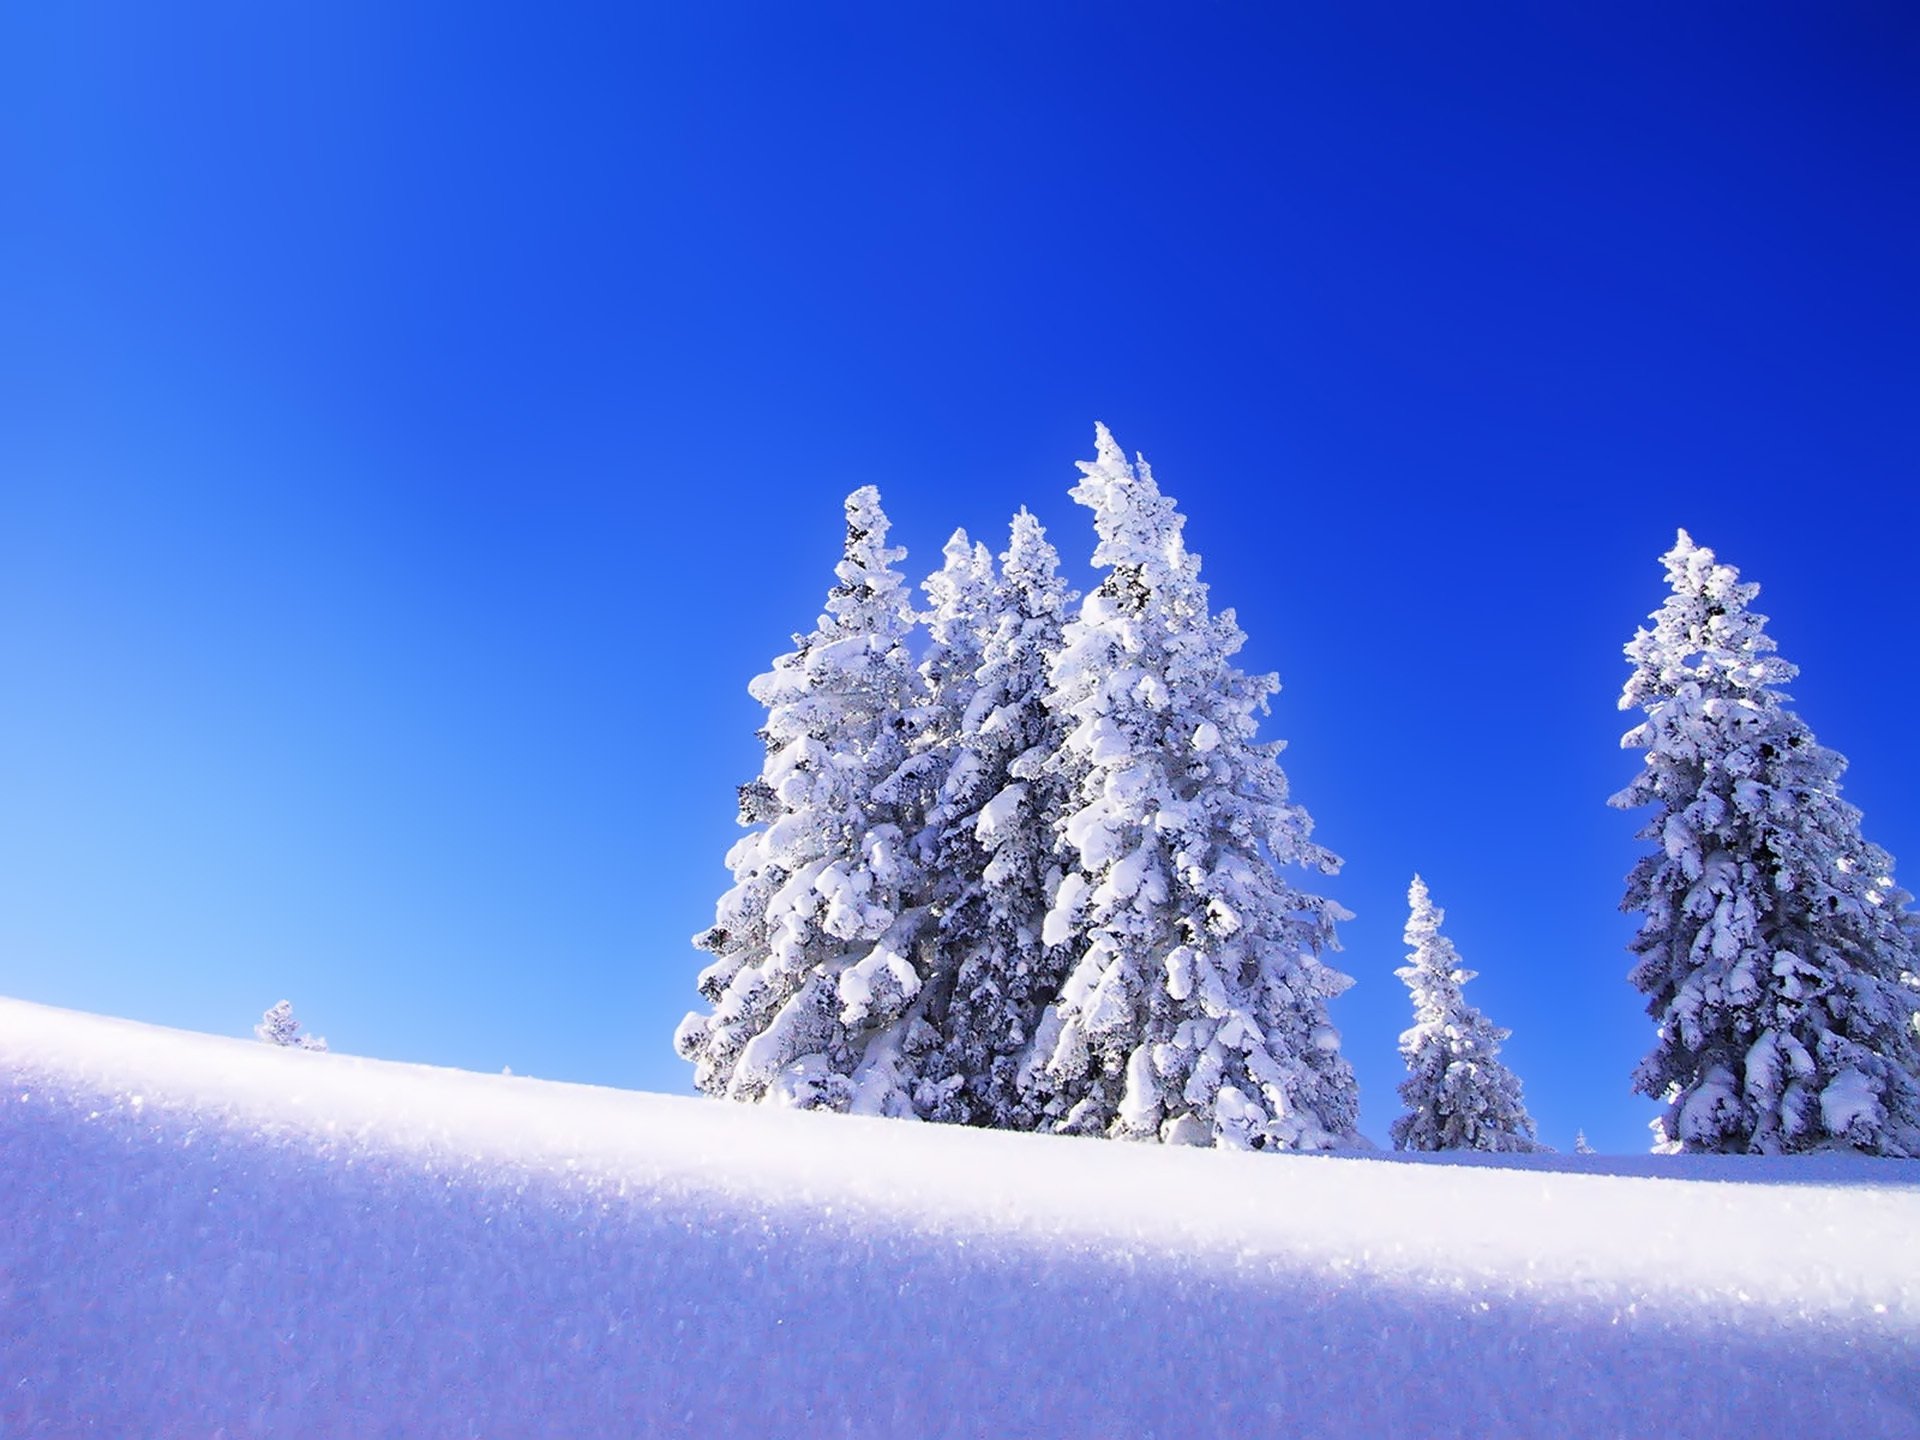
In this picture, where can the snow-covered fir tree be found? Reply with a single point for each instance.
(1775, 951)
(278, 1027)
(1195, 1008)
(1458, 1093)
(996, 824)
(954, 619)
(958, 594)
(1580, 1144)
(931, 782)
(817, 971)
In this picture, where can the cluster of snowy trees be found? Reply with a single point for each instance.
(1026, 870)
(1022, 862)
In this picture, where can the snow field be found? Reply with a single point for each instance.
(214, 1237)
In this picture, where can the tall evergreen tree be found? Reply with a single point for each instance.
(958, 595)
(1195, 1008)
(1775, 952)
(996, 822)
(1458, 1094)
(817, 944)
(939, 777)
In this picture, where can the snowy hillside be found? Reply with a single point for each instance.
(202, 1236)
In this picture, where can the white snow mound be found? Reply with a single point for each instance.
(201, 1236)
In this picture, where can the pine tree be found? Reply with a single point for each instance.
(943, 768)
(1580, 1145)
(1195, 1008)
(958, 595)
(817, 970)
(278, 1027)
(1458, 1094)
(996, 822)
(941, 777)
(1775, 952)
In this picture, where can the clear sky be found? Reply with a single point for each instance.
(417, 424)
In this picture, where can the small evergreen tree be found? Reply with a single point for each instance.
(817, 967)
(1195, 1007)
(1580, 1145)
(1458, 1094)
(996, 821)
(278, 1027)
(1774, 950)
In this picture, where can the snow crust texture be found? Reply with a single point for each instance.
(219, 1238)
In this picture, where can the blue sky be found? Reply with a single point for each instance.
(417, 425)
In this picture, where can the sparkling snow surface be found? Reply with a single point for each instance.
(211, 1237)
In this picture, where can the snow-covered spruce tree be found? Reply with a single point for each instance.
(1775, 952)
(996, 833)
(1458, 1094)
(955, 620)
(278, 1027)
(1195, 1008)
(957, 598)
(816, 974)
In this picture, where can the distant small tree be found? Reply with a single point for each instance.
(278, 1027)
(1580, 1145)
(1775, 950)
(1459, 1096)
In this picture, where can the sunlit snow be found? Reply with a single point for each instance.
(202, 1236)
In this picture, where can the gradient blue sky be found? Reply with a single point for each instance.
(417, 424)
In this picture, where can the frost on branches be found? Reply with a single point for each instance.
(1775, 952)
(995, 824)
(815, 945)
(1195, 1008)
(278, 1027)
(1458, 1094)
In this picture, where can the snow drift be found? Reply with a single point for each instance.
(202, 1236)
